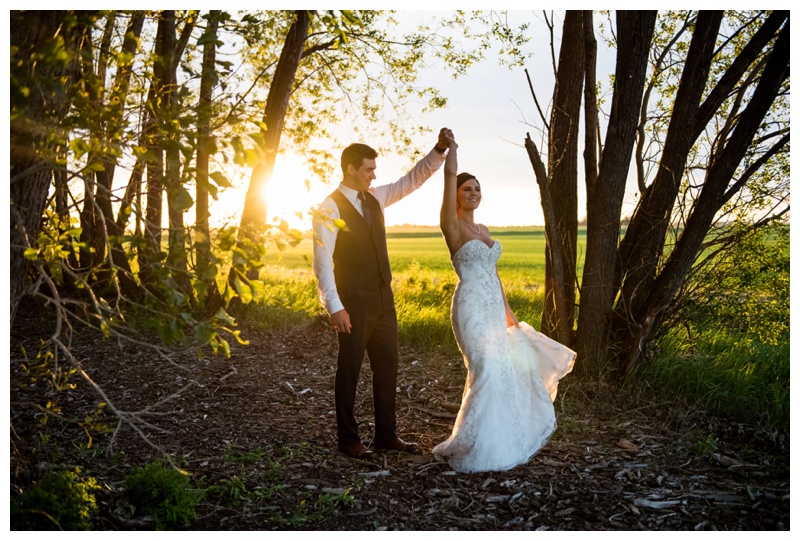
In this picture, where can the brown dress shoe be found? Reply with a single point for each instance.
(396, 445)
(355, 450)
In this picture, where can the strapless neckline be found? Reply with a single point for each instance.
(494, 243)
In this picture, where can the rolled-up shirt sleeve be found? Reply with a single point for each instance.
(324, 242)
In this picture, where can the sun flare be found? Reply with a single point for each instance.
(290, 194)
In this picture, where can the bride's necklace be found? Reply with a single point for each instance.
(477, 229)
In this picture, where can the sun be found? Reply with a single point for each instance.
(293, 192)
(290, 195)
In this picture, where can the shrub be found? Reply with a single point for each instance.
(58, 501)
(162, 493)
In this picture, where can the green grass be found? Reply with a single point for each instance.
(725, 374)
(523, 251)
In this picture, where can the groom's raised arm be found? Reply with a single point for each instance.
(388, 194)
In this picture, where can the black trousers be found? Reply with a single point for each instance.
(374, 329)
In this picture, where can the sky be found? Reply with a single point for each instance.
(490, 109)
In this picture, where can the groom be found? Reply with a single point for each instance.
(354, 284)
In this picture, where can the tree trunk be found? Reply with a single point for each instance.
(176, 251)
(591, 121)
(635, 31)
(563, 181)
(254, 214)
(206, 273)
(710, 200)
(113, 133)
(35, 121)
(164, 68)
(149, 256)
(93, 83)
(562, 311)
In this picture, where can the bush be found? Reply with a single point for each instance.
(745, 289)
(162, 493)
(58, 501)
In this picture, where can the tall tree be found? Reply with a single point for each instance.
(98, 205)
(562, 157)
(206, 272)
(660, 288)
(634, 31)
(178, 198)
(162, 127)
(723, 118)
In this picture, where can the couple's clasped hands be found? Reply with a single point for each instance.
(446, 139)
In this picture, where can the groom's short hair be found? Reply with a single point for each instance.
(355, 154)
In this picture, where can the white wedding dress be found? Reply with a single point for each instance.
(506, 413)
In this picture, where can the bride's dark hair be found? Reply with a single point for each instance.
(463, 177)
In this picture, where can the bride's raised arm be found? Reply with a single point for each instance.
(448, 218)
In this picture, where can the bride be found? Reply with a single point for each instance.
(506, 413)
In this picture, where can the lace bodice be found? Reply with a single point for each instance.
(475, 259)
(478, 299)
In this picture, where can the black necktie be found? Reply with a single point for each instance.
(365, 207)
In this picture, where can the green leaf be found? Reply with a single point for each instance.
(79, 147)
(229, 295)
(244, 290)
(31, 253)
(182, 200)
(220, 179)
(204, 332)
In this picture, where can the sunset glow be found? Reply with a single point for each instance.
(291, 198)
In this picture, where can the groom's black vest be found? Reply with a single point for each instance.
(360, 258)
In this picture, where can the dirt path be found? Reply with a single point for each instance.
(260, 427)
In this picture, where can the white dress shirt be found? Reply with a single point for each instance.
(325, 232)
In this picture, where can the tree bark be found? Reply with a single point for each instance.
(635, 31)
(149, 255)
(658, 68)
(112, 133)
(591, 122)
(176, 249)
(93, 83)
(254, 214)
(563, 181)
(159, 169)
(205, 272)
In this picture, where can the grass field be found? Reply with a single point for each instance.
(424, 280)
(523, 251)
